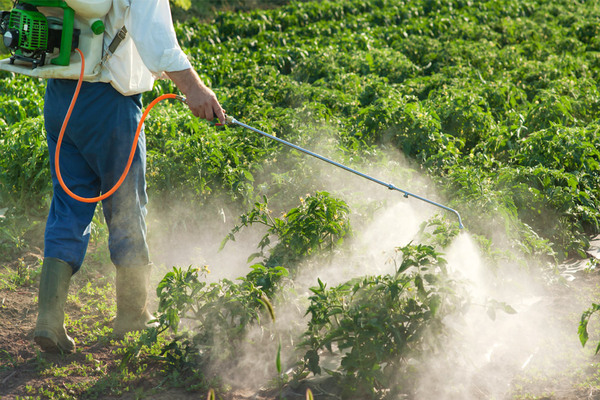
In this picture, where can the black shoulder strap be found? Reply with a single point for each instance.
(119, 37)
(112, 47)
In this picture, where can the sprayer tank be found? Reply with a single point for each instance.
(90, 8)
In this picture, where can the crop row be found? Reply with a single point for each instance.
(449, 84)
(463, 88)
(496, 101)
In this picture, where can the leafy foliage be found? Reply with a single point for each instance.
(496, 101)
(318, 225)
(378, 324)
(218, 315)
(583, 325)
(444, 83)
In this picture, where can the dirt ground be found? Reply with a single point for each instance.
(17, 316)
(24, 371)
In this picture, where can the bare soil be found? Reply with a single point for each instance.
(25, 372)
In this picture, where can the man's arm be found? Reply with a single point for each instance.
(201, 100)
(151, 28)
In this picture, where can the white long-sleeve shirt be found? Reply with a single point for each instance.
(149, 49)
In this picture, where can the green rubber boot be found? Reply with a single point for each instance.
(50, 333)
(132, 285)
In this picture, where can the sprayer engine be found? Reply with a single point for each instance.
(30, 35)
(45, 33)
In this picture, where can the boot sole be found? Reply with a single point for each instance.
(47, 345)
(50, 345)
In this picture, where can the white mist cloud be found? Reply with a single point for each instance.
(480, 360)
(196, 243)
(484, 357)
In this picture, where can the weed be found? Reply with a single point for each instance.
(22, 274)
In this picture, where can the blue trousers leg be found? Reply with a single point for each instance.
(93, 155)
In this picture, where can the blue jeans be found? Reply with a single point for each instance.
(93, 155)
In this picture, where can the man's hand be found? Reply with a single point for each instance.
(201, 100)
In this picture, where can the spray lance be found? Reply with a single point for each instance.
(232, 121)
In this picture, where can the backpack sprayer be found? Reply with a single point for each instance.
(34, 36)
(44, 37)
(42, 34)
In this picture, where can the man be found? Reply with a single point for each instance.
(94, 152)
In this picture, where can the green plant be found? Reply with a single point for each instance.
(7, 361)
(583, 325)
(317, 226)
(377, 324)
(215, 314)
(24, 173)
(218, 315)
(22, 274)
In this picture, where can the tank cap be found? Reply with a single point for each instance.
(98, 27)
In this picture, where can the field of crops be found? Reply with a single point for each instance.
(488, 107)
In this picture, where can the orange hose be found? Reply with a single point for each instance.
(131, 154)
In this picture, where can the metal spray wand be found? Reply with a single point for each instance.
(232, 121)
